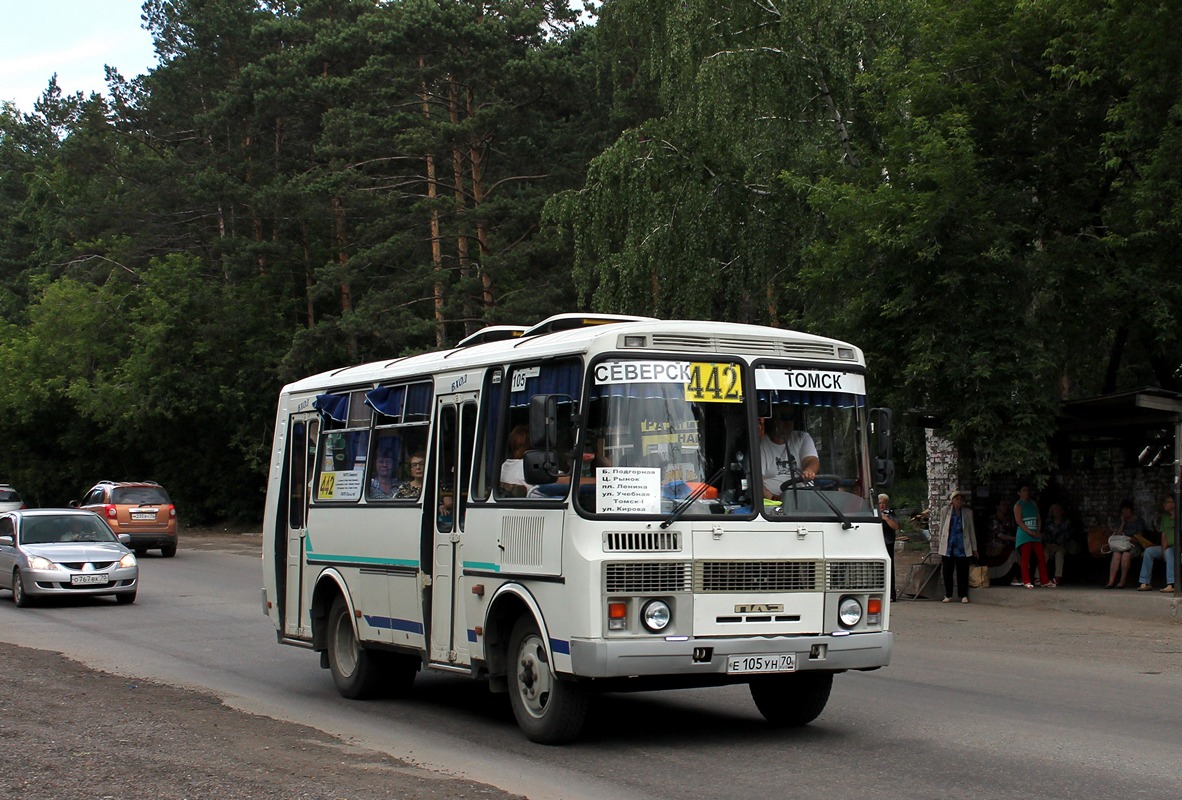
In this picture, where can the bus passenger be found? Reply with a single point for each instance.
(413, 487)
(513, 469)
(382, 484)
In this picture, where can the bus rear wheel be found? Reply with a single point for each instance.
(548, 710)
(789, 701)
(356, 671)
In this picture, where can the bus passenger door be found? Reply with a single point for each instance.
(456, 425)
(301, 453)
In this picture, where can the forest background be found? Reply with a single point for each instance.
(983, 195)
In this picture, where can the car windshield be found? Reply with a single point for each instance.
(811, 453)
(663, 435)
(66, 528)
(138, 495)
(9, 496)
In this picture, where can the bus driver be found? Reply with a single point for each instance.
(785, 452)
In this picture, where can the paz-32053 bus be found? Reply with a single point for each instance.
(594, 503)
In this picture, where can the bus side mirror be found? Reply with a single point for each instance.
(883, 455)
(543, 421)
(540, 466)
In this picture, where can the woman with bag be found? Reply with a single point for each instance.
(1121, 544)
(957, 546)
(1029, 540)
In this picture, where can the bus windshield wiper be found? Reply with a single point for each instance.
(681, 507)
(799, 483)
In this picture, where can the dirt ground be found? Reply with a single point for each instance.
(69, 731)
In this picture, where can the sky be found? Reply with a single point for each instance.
(73, 38)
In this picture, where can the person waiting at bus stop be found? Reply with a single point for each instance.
(1165, 550)
(785, 452)
(1028, 531)
(957, 546)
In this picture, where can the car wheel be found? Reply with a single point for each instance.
(140, 551)
(548, 710)
(125, 598)
(356, 671)
(168, 551)
(19, 596)
(789, 701)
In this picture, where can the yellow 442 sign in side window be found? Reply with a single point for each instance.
(714, 383)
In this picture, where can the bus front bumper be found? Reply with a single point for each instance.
(613, 658)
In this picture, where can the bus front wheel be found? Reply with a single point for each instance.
(789, 701)
(548, 710)
(355, 670)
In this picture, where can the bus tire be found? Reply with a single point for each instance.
(356, 671)
(548, 710)
(789, 701)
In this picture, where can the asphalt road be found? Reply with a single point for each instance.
(981, 701)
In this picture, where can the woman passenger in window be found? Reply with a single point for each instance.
(413, 487)
(382, 485)
(513, 470)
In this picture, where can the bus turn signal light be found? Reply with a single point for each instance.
(617, 616)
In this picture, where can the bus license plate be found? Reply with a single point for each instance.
(88, 579)
(781, 662)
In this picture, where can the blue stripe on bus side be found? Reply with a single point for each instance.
(390, 623)
(560, 646)
(471, 636)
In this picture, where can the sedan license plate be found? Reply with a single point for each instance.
(777, 662)
(89, 579)
(143, 515)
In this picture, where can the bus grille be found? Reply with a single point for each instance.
(628, 577)
(855, 576)
(756, 576)
(642, 542)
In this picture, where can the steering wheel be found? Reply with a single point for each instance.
(818, 481)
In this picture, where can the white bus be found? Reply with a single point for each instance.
(579, 507)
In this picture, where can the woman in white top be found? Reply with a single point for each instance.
(513, 469)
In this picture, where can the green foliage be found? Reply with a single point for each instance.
(258, 208)
(983, 195)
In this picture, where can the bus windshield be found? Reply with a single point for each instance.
(660, 432)
(812, 458)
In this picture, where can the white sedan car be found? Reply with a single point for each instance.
(60, 552)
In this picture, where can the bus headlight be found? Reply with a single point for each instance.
(656, 615)
(849, 612)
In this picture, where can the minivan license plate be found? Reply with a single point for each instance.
(778, 662)
(89, 579)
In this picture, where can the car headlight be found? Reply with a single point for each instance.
(656, 615)
(849, 612)
(128, 560)
(40, 562)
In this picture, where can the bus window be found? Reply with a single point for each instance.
(561, 378)
(487, 467)
(654, 441)
(396, 463)
(344, 445)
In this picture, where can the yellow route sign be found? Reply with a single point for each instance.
(714, 383)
